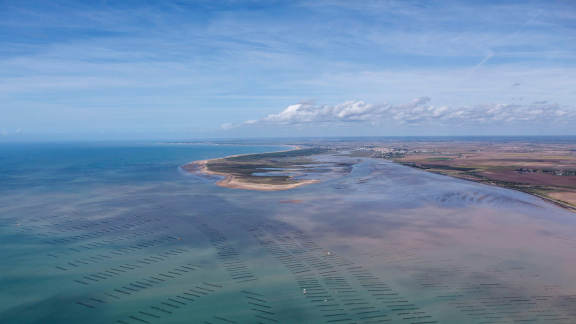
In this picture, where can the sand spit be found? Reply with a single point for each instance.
(235, 182)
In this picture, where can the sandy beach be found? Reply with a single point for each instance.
(201, 167)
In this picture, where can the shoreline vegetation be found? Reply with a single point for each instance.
(271, 171)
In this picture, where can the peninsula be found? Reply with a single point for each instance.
(265, 171)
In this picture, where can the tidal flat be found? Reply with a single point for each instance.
(120, 234)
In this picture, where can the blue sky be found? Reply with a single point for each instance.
(183, 69)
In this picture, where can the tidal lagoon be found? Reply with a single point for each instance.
(120, 233)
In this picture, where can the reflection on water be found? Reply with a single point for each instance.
(381, 244)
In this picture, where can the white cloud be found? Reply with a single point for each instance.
(418, 111)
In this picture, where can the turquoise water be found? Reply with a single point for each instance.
(101, 233)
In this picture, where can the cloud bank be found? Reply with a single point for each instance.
(418, 111)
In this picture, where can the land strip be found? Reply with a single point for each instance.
(263, 171)
(546, 170)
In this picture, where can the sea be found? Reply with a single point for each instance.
(119, 233)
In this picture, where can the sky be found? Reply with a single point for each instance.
(179, 69)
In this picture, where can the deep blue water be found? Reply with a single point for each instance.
(67, 165)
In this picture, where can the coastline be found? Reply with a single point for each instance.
(234, 182)
(559, 203)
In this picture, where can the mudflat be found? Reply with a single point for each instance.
(546, 170)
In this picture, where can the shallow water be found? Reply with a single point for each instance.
(118, 234)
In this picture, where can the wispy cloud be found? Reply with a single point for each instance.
(197, 61)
